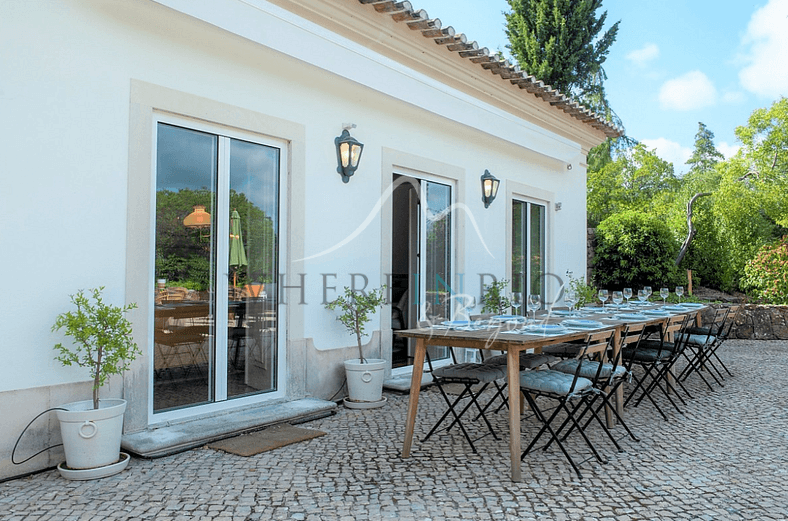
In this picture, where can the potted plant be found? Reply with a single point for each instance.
(494, 299)
(102, 342)
(364, 375)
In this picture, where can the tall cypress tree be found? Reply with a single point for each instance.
(557, 42)
(705, 155)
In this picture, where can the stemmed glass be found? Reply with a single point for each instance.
(664, 292)
(642, 295)
(517, 301)
(627, 294)
(618, 298)
(602, 296)
(648, 291)
(570, 297)
(534, 304)
(679, 292)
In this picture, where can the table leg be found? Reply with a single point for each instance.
(513, 381)
(619, 398)
(413, 401)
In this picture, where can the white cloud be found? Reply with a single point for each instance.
(642, 56)
(734, 97)
(767, 38)
(727, 150)
(690, 91)
(670, 151)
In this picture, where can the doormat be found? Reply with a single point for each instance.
(265, 440)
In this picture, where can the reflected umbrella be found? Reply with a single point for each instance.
(237, 251)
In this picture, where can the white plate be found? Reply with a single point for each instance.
(546, 329)
(582, 324)
(630, 316)
(456, 323)
(506, 318)
(692, 305)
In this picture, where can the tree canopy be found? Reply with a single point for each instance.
(559, 42)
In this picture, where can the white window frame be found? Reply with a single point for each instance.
(222, 402)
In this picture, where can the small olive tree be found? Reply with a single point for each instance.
(494, 299)
(102, 338)
(356, 308)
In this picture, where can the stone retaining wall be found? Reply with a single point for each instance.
(757, 322)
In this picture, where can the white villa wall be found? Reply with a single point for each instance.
(66, 73)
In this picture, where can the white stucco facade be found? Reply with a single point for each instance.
(82, 84)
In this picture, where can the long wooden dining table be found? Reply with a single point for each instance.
(505, 337)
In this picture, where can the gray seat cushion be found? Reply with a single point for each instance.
(564, 350)
(700, 339)
(527, 360)
(483, 373)
(589, 369)
(554, 382)
(646, 355)
(655, 345)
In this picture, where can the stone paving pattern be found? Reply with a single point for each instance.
(725, 458)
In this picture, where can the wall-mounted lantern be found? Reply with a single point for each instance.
(489, 188)
(348, 153)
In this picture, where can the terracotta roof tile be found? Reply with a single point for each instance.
(419, 20)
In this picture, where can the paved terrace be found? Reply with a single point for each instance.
(725, 458)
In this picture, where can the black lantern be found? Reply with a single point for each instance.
(348, 154)
(489, 188)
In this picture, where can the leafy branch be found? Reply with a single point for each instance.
(102, 338)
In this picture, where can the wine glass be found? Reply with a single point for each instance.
(602, 296)
(642, 295)
(517, 301)
(627, 294)
(534, 304)
(618, 298)
(679, 292)
(664, 292)
(570, 297)
(469, 304)
(648, 290)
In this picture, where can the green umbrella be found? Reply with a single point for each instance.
(237, 252)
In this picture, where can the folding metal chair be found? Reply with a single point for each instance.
(710, 353)
(468, 375)
(564, 388)
(700, 341)
(607, 376)
(656, 358)
(527, 361)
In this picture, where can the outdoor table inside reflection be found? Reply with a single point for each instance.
(503, 336)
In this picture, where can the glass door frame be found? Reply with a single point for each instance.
(224, 135)
(528, 203)
(421, 241)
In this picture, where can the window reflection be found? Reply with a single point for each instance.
(187, 333)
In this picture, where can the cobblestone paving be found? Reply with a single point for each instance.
(726, 457)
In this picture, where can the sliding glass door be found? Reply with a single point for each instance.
(217, 241)
(528, 248)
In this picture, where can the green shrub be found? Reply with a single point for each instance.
(766, 275)
(634, 249)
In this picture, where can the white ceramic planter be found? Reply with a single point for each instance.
(91, 437)
(365, 380)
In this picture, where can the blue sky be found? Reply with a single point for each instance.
(674, 63)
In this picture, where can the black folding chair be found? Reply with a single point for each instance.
(710, 358)
(527, 361)
(700, 341)
(573, 393)
(468, 375)
(656, 358)
(607, 378)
